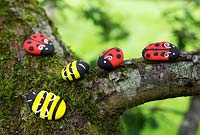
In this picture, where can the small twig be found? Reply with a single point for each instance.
(154, 109)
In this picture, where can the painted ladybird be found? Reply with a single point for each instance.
(74, 70)
(39, 44)
(161, 51)
(111, 59)
(46, 105)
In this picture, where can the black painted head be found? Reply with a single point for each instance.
(143, 52)
(175, 52)
(82, 67)
(104, 63)
(48, 49)
(30, 98)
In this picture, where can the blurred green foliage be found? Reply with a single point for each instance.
(185, 22)
(91, 26)
(136, 119)
(109, 29)
(155, 118)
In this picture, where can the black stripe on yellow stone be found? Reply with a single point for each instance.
(49, 106)
(41, 103)
(70, 69)
(56, 108)
(65, 73)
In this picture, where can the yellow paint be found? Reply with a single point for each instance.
(45, 105)
(74, 70)
(62, 73)
(68, 73)
(61, 110)
(37, 101)
(53, 107)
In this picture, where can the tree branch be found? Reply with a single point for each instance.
(95, 102)
(138, 81)
(37, 20)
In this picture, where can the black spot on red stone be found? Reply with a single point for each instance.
(29, 42)
(162, 54)
(148, 55)
(117, 49)
(34, 36)
(155, 54)
(157, 45)
(41, 35)
(31, 48)
(118, 56)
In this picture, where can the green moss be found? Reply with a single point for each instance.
(29, 18)
(140, 63)
(23, 79)
(4, 11)
(20, 76)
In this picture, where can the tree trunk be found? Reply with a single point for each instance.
(95, 102)
(190, 124)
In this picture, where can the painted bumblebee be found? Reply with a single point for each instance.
(46, 105)
(161, 51)
(74, 70)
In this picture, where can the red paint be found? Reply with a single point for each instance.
(161, 51)
(111, 58)
(38, 44)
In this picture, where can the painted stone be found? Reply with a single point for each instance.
(39, 44)
(110, 59)
(74, 70)
(161, 51)
(46, 105)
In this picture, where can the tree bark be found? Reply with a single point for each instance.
(95, 102)
(138, 81)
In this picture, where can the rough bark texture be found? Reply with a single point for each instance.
(138, 81)
(94, 103)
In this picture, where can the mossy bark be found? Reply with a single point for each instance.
(22, 73)
(95, 102)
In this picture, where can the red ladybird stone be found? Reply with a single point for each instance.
(39, 44)
(111, 59)
(161, 51)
